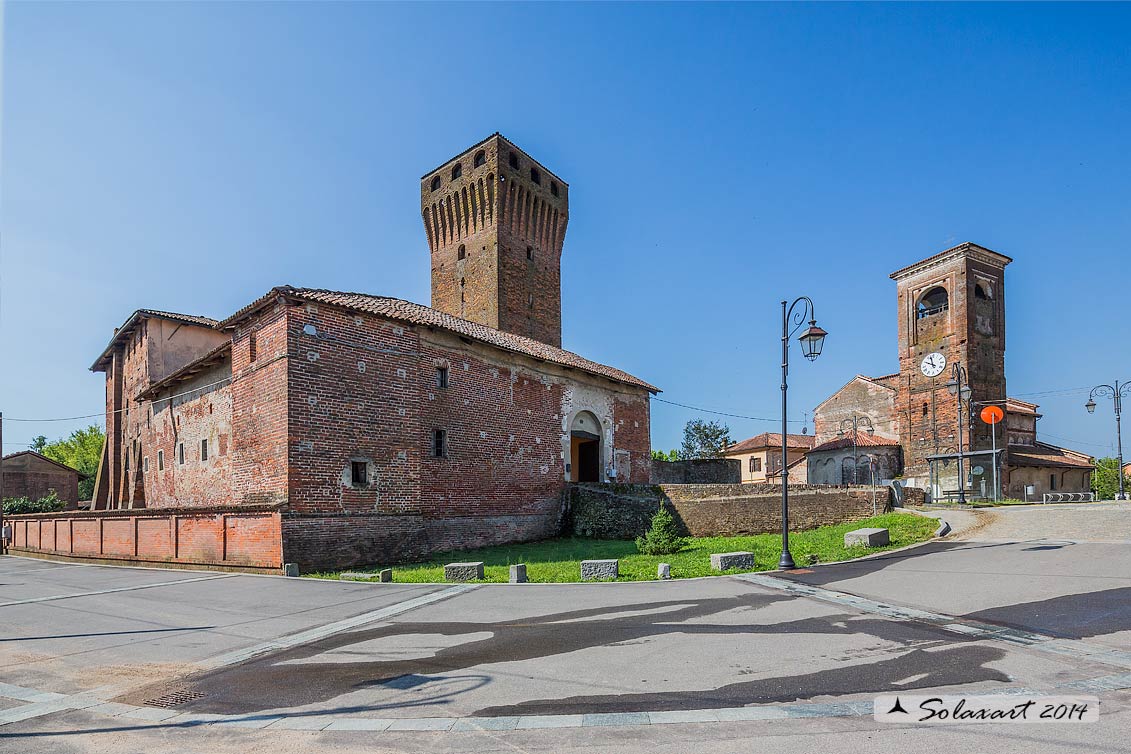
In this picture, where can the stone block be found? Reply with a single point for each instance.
(867, 537)
(290, 569)
(385, 575)
(356, 576)
(599, 570)
(663, 571)
(463, 571)
(724, 561)
(518, 573)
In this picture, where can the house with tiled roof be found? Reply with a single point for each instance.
(363, 428)
(760, 456)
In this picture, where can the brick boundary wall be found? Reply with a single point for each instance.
(238, 539)
(624, 511)
(697, 471)
(330, 541)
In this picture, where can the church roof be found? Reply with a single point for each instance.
(418, 314)
(862, 441)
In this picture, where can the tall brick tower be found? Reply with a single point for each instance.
(952, 303)
(495, 220)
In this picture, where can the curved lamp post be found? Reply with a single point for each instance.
(812, 341)
(960, 387)
(1116, 393)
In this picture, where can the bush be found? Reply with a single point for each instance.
(663, 538)
(47, 504)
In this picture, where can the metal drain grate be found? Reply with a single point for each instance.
(175, 699)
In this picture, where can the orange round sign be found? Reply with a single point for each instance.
(992, 414)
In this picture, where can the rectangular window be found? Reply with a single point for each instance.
(145, 465)
(441, 377)
(204, 450)
(1052, 482)
(251, 347)
(756, 464)
(127, 463)
(359, 473)
(439, 443)
(160, 460)
(181, 453)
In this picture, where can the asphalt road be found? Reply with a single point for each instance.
(126, 660)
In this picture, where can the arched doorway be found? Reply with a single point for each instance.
(585, 448)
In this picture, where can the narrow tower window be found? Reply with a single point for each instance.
(512, 160)
(554, 188)
(530, 252)
(536, 176)
(436, 183)
(480, 158)
(457, 170)
(462, 254)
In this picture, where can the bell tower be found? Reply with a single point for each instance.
(952, 303)
(495, 219)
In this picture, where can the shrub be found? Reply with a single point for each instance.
(47, 504)
(663, 538)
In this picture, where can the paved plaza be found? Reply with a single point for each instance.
(1029, 600)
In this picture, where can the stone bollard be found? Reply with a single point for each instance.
(463, 572)
(725, 561)
(385, 575)
(290, 569)
(663, 571)
(867, 537)
(356, 576)
(518, 573)
(599, 570)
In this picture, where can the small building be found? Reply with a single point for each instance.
(760, 456)
(33, 475)
(839, 461)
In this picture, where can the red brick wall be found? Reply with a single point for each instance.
(238, 538)
(37, 484)
(259, 408)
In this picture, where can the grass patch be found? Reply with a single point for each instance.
(559, 560)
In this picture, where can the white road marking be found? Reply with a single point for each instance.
(53, 597)
(321, 632)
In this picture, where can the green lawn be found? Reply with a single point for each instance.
(558, 560)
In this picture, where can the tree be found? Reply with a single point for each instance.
(1105, 480)
(671, 455)
(39, 443)
(704, 439)
(82, 452)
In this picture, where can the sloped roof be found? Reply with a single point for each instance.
(1043, 454)
(41, 457)
(883, 382)
(418, 314)
(862, 441)
(132, 321)
(188, 371)
(769, 440)
(1014, 406)
(967, 249)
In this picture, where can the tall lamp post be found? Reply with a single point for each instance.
(855, 422)
(960, 387)
(812, 341)
(1116, 393)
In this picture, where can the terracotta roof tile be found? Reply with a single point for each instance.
(862, 441)
(418, 314)
(1043, 454)
(769, 440)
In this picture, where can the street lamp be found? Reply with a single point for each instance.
(812, 341)
(958, 387)
(855, 421)
(1116, 394)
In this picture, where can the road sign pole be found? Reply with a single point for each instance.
(993, 444)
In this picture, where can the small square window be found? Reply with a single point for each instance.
(441, 377)
(181, 453)
(204, 450)
(359, 473)
(439, 443)
(160, 460)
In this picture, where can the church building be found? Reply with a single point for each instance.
(916, 422)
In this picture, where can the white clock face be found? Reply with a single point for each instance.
(933, 364)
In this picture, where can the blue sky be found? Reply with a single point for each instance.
(720, 158)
